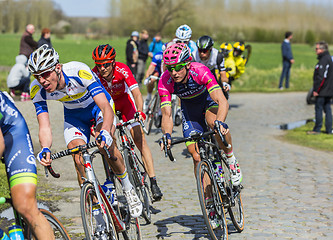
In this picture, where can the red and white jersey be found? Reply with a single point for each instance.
(123, 81)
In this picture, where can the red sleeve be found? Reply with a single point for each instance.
(128, 75)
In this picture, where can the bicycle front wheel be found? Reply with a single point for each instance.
(211, 203)
(92, 224)
(235, 207)
(58, 229)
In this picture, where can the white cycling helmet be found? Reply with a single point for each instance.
(184, 32)
(42, 59)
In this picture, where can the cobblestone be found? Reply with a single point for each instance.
(288, 188)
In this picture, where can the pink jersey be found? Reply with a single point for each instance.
(122, 83)
(200, 83)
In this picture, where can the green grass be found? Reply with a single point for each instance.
(298, 136)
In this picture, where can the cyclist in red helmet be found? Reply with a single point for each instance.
(118, 80)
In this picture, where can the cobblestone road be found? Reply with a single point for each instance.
(288, 188)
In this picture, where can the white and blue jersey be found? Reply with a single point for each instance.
(80, 108)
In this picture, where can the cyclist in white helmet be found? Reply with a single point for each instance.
(184, 35)
(85, 101)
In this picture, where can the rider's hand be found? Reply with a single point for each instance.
(146, 81)
(226, 86)
(223, 127)
(165, 141)
(45, 161)
(106, 139)
(140, 115)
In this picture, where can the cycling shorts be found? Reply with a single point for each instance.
(19, 156)
(78, 122)
(193, 115)
(125, 104)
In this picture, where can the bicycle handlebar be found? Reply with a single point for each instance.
(195, 137)
(135, 119)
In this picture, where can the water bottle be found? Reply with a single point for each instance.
(110, 191)
(218, 168)
(3, 235)
(15, 232)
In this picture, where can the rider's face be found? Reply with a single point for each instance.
(178, 76)
(204, 54)
(48, 80)
(105, 68)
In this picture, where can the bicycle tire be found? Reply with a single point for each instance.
(212, 212)
(88, 194)
(235, 209)
(133, 231)
(57, 227)
(150, 114)
(142, 190)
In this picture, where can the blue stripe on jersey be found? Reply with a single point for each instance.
(95, 88)
(78, 80)
(40, 107)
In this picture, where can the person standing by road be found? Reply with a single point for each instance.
(143, 55)
(45, 38)
(287, 60)
(132, 53)
(156, 45)
(323, 88)
(28, 44)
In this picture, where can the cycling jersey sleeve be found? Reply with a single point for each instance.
(128, 75)
(165, 89)
(205, 77)
(38, 96)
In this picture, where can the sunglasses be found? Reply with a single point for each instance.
(203, 50)
(177, 67)
(43, 75)
(105, 65)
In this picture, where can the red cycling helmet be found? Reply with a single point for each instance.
(104, 52)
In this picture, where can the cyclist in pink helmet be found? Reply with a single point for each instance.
(202, 101)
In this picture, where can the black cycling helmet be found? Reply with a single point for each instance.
(104, 52)
(205, 43)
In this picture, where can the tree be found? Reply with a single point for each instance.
(153, 15)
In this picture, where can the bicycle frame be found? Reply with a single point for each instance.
(91, 177)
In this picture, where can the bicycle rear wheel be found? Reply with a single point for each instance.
(91, 228)
(150, 114)
(58, 229)
(211, 203)
(235, 207)
(133, 231)
(138, 181)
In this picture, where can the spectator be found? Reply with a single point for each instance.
(45, 38)
(143, 55)
(323, 88)
(28, 44)
(19, 78)
(132, 52)
(156, 45)
(287, 60)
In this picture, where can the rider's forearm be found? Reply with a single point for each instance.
(167, 123)
(138, 99)
(45, 131)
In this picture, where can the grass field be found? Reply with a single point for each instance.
(262, 72)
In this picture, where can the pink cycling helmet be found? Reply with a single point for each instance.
(177, 53)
